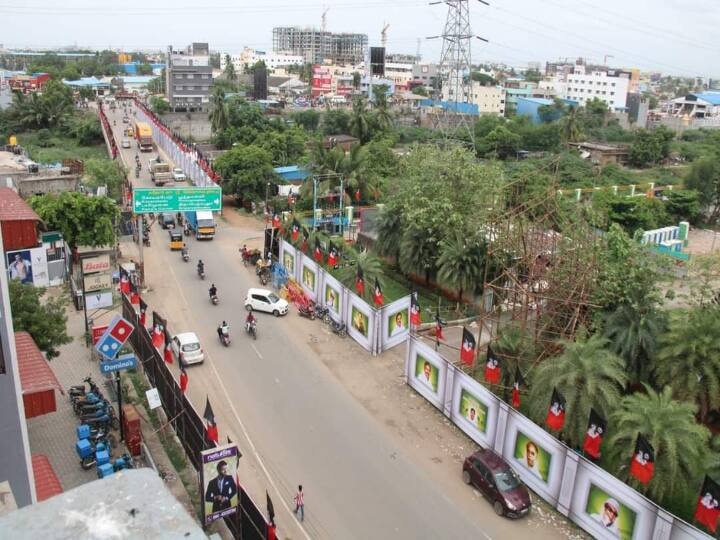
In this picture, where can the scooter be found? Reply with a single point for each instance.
(323, 313)
(123, 462)
(338, 328)
(81, 396)
(146, 239)
(185, 255)
(224, 337)
(201, 273)
(251, 328)
(90, 408)
(93, 415)
(88, 452)
(106, 421)
(88, 399)
(79, 389)
(306, 310)
(214, 299)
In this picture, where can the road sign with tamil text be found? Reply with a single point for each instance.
(176, 199)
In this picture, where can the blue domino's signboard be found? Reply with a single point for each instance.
(125, 361)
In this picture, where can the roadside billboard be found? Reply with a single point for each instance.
(218, 482)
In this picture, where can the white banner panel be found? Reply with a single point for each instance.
(426, 372)
(474, 410)
(332, 297)
(395, 327)
(309, 277)
(360, 321)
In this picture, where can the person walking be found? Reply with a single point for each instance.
(300, 503)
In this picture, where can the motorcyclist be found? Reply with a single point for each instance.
(184, 251)
(201, 267)
(223, 329)
(249, 320)
(213, 290)
(244, 251)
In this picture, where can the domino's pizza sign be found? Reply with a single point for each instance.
(112, 340)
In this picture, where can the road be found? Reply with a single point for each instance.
(296, 422)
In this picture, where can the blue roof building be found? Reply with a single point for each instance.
(292, 173)
(530, 106)
(456, 106)
(131, 68)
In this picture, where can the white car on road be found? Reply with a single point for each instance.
(126, 143)
(179, 175)
(189, 344)
(267, 301)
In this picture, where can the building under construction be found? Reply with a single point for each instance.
(317, 45)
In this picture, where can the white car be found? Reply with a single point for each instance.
(267, 301)
(189, 344)
(126, 143)
(179, 175)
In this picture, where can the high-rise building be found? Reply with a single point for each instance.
(189, 77)
(586, 83)
(316, 46)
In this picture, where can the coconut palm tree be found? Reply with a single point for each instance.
(219, 115)
(588, 375)
(633, 330)
(688, 359)
(461, 263)
(370, 264)
(389, 229)
(570, 126)
(419, 252)
(360, 120)
(383, 116)
(680, 443)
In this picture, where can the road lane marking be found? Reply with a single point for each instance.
(256, 351)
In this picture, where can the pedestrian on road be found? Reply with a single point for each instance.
(300, 503)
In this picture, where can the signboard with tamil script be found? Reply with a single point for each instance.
(176, 199)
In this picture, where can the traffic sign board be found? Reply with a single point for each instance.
(126, 361)
(176, 199)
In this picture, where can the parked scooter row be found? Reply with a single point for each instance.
(322, 313)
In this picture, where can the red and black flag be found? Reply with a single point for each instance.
(134, 291)
(211, 426)
(276, 221)
(360, 281)
(124, 281)
(295, 231)
(143, 312)
(707, 511)
(183, 378)
(492, 367)
(357, 195)
(438, 327)
(157, 336)
(467, 348)
(318, 255)
(594, 435)
(378, 298)
(517, 383)
(642, 465)
(414, 309)
(332, 256)
(306, 235)
(270, 509)
(168, 355)
(555, 418)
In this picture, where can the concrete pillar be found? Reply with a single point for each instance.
(450, 375)
(615, 190)
(632, 190)
(663, 525)
(578, 194)
(567, 484)
(502, 421)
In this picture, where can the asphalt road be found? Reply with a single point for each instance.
(359, 481)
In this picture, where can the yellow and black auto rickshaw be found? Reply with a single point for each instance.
(176, 239)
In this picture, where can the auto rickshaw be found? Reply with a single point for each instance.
(176, 239)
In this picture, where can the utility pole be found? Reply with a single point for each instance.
(383, 35)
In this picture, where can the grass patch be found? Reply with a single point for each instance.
(58, 147)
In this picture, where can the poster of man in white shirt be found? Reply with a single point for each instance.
(426, 373)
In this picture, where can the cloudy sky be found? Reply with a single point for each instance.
(672, 36)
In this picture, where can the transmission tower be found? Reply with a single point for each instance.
(454, 72)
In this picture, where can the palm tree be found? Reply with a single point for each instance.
(570, 128)
(370, 264)
(383, 116)
(418, 252)
(461, 263)
(680, 443)
(633, 330)
(360, 121)
(588, 375)
(689, 357)
(389, 229)
(218, 111)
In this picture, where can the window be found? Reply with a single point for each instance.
(612, 93)
(178, 88)
(613, 84)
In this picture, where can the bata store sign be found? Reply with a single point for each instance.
(96, 264)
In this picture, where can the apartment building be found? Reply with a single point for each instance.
(489, 99)
(315, 46)
(249, 57)
(189, 77)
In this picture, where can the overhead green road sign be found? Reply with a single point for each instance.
(176, 199)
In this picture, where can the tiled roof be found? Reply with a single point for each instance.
(35, 372)
(13, 208)
(46, 481)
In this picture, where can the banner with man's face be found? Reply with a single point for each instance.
(218, 479)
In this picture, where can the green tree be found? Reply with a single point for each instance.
(360, 120)
(364, 259)
(159, 105)
(70, 73)
(500, 143)
(246, 170)
(533, 75)
(308, 119)
(335, 122)
(229, 71)
(688, 359)
(482, 78)
(588, 375)
(82, 220)
(85, 129)
(680, 443)
(704, 177)
(219, 118)
(570, 130)
(461, 263)
(357, 78)
(144, 69)
(683, 205)
(104, 172)
(45, 320)
(419, 251)
(650, 147)
(383, 116)
(157, 85)
(389, 229)
(420, 91)
(50, 109)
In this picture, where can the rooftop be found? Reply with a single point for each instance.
(710, 97)
(13, 208)
(35, 373)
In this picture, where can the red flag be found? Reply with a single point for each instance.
(295, 231)
(414, 309)
(157, 337)
(594, 435)
(707, 510)
(168, 354)
(378, 298)
(332, 257)
(357, 195)
(209, 416)
(516, 388)
(360, 282)
(492, 367)
(438, 326)
(183, 379)
(318, 256)
(134, 298)
(276, 221)
(555, 418)
(642, 465)
(143, 310)
(304, 245)
(124, 284)
(467, 348)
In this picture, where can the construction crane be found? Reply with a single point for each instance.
(383, 34)
(324, 19)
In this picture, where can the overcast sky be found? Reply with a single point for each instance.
(673, 36)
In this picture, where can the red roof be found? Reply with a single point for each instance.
(13, 208)
(46, 481)
(35, 372)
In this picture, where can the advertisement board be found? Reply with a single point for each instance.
(361, 322)
(309, 277)
(101, 263)
(395, 323)
(474, 409)
(426, 372)
(98, 282)
(218, 482)
(28, 266)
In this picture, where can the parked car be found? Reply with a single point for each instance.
(167, 220)
(179, 175)
(500, 484)
(267, 301)
(126, 143)
(189, 344)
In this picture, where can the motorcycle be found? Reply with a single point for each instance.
(79, 389)
(88, 453)
(201, 272)
(137, 173)
(264, 274)
(88, 399)
(214, 299)
(106, 421)
(323, 314)
(185, 255)
(251, 328)
(186, 229)
(306, 310)
(146, 239)
(90, 408)
(338, 328)
(94, 414)
(224, 336)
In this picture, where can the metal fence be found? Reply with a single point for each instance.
(249, 523)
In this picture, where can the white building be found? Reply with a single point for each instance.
(610, 86)
(489, 99)
(249, 57)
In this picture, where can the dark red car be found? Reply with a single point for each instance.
(492, 475)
